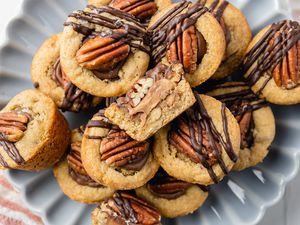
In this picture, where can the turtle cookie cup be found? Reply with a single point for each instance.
(112, 158)
(272, 63)
(104, 50)
(49, 77)
(202, 145)
(255, 118)
(188, 33)
(73, 178)
(33, 133)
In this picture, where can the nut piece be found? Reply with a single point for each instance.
(245, 121)
(74, 159)
(102, 53)
(287, 72)
(132, 210)
(165, 186)
(188, 49)
(118, 149)
(13, 124)
(181, 139)
(142, 9)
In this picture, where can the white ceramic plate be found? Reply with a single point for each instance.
(242, 198)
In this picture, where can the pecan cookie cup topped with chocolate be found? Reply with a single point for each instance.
(125, 209)
(33, 133)
(153, 102)
(187, 33)
(237, 35)
(172, 197)
(49, 78)
(142, 9)
(202, 145)
(73, 178)
(104, 50)
(255, 118)
(113, 158)
(272, 63)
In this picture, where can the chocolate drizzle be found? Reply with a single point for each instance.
(200, 123)
(268, 54)
(135, 34)
(83, 179)
(161, 35)
(75, 99)
(242, 104)
(11, 122)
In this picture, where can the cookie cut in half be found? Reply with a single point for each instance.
(33, 133)
(188, 33)
(172, 197)
(202, 145)
(114, 159)
(154, 101)
(237, 35)
(272, 63)
(124, 208)
(256, 120)
(49, 78)
(104, 50)
(73, 178)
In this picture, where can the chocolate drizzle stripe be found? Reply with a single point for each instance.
(83, 180)
(268, 55)
(11, 150)
(135, 35)
(231, 154)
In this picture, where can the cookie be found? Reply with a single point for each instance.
(153, 102)
(255, 118)
(272, 63)
(49, 78)
(172, 197)
(104, 50)
(114, 159)
(33, 133)
(237, 35)
(202, 145)
(73, 178)
(142, 9)
(187, 33)
(124, 208)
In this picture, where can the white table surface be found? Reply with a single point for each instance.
(286, 212)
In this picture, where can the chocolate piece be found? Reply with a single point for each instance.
(74, 97)
(164, 31)
(13, 124)
(200, 139)
(124, 208)
(273, 49)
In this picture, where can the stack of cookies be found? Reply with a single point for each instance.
(162, 134)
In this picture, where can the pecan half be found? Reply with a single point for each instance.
(74, 158)
(142, 9)
(188, 48)
(102, 53)
(246, 127)
(118, 149)
(132, 209)
(287, 72)
(13, 124)
(165, 186)
(182, 139)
